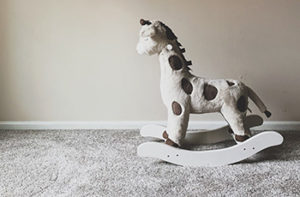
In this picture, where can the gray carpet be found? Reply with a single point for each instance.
(104, 163)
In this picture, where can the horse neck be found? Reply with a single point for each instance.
(166, 70)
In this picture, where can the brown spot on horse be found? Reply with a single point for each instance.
(165, 135)
(175, 62)
(210, 92)
(241, 138)
(186, 86)
(171, 143)
(176, 108)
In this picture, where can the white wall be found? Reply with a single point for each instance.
(76, 59)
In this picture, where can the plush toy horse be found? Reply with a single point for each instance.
(183, 93)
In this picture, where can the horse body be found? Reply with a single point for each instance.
(183, 93)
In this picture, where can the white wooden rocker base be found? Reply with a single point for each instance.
(202, 136)
(217, 157)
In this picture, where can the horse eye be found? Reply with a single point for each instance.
(146, 39)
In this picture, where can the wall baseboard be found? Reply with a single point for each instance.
(50, 125)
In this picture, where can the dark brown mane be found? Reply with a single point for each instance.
(171, 36)
(169, 32)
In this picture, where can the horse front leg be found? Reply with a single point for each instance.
(178, 118)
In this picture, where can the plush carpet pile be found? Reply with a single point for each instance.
(104, 163)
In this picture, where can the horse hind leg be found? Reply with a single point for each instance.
(235, 120)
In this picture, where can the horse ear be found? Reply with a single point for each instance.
(145, 22)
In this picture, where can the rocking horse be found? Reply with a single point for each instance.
(183, 93)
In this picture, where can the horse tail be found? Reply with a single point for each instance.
(258, 102)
